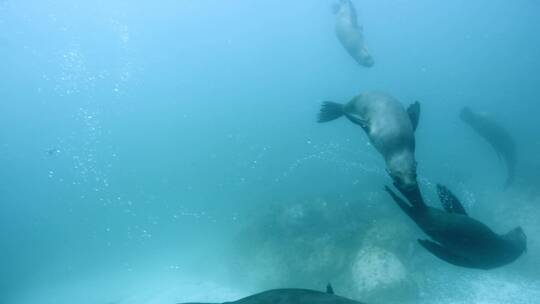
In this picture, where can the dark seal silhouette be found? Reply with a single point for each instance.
(390, 128)
(293, 296)
(459, 239)
(497, 136)
(350, 33)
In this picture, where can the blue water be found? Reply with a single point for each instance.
(167, 151)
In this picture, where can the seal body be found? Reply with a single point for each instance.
(350, 33)
(390, 129)
(293, 296)
(497, 136)
(459, 239)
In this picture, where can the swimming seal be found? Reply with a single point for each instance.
(459, 239)
(497, 136)
(390, 129)
(293, 296)
(350, 33)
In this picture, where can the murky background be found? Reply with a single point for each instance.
(167, 151)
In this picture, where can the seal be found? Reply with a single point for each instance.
(459, 239)
(497, 136)
(350, 33)
(390, 129)
(293, 296)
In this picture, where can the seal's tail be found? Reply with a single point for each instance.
(330, 111)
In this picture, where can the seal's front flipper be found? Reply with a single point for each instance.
(329, 289)
(413, 195)
(400, 202)
(449, 201)
(414, 114)
(359, 121)
(330, 111)
(445, 255)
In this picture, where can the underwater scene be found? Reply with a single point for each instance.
(270, 151)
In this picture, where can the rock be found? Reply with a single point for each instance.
(378, 273)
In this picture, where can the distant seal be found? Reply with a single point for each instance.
(459, 239)
(350, 33)
(390, 129)
(53, 152)
(293, 296)
(497, 136)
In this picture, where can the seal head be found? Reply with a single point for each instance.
(402, 170)
(517, 242)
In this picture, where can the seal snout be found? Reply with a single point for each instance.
(364, 58)
(368, 62)
(405, 183)
(402, 169)
(518, 238)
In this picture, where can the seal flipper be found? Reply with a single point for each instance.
(414, 114)
(445, 255)
(359, 121)
(329, 289)
(413, 195)
(401, 203)
(330, 111)
(353, 14)
(449, 201)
